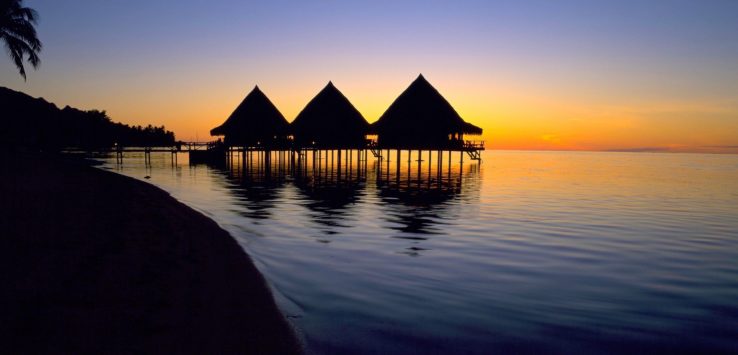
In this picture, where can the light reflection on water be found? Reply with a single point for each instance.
(527, 252)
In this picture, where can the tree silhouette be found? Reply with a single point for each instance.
(34, 123)
(18, 33)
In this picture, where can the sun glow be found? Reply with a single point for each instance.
(533, 77)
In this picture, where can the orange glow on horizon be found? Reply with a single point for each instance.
(512, 117)
(634, 76)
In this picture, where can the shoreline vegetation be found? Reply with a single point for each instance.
(36, 124)
(95, 262)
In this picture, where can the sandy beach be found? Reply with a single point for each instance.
(97, 262)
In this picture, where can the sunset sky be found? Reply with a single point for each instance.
(591, 75)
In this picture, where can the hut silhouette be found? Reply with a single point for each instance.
(330, 121)
(421, 118)
(255, 122)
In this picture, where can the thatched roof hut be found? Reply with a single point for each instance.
(255, 121)
(330, 121)
(421, 118)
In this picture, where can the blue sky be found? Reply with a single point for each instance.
(507, 65)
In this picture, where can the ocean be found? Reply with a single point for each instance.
(523, 252)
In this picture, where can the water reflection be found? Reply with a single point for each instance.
(420, 197)
(424, 193)
(421, 190)
(258, 198)
(420, 212)
(331, 205)
(257, 191)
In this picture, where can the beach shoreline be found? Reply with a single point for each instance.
(98, 262)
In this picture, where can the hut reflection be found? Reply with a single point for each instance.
(259, 199)
(258, 167)
(418, 212)
(418, 193)
(331, 205)
(258, 190)
(422, 201)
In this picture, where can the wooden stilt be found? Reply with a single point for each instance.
(318, 163)
(379, 168)
(430, 163)
(388, 165)
(268, 163)
(397, 163)
(450, 153)
(297, 164)
(409, 165)
(358, 163)
(338, 166)
(461, 175)
(440, 166)
(420, 159)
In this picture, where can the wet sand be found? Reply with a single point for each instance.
(91, 261)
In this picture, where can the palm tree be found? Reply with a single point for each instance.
(18, 33)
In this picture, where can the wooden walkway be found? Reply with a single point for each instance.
(217, 151)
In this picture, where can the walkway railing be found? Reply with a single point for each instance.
(475, 145)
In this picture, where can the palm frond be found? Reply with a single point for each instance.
(16, 54)
(18, 50)
(19, 34)
(29, 14)
(25, 32)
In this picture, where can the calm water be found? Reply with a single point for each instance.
(552, 252)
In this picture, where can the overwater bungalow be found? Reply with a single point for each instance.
(421, 118)
(256, 123)
(330, 121)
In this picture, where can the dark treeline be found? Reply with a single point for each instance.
(32, 123)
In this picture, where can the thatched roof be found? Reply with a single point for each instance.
(330, 118)
(255, 117)
(421, 110)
